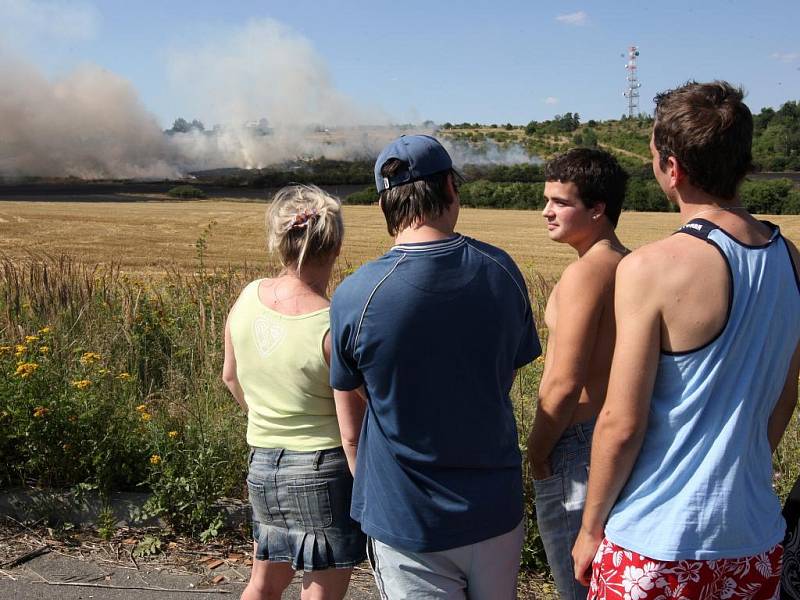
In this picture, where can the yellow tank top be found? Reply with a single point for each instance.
(282, 370)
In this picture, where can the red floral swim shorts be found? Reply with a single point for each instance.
(618, 573)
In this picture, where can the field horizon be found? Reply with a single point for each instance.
(152, 236)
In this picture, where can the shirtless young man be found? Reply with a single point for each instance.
(584, 191)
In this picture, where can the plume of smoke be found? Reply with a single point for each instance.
(89, 124)
(488, 152)
(246, 147)
(266, 70)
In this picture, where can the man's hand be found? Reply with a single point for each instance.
(541, 469)
(583, 553)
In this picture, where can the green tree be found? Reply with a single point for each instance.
(589, 138)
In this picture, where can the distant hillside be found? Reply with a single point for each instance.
(776, 141)
(776, 147)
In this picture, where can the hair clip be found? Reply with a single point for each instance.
(302, 219)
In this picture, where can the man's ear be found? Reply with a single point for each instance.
(451, 186)
(676, 172)
(598, 210)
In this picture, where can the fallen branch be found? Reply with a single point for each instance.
(148, 588)
(26, 557)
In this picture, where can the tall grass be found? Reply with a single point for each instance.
(114, 381)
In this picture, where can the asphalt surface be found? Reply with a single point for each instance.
(55, 575)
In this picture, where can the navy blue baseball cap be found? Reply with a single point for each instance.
(423, 154)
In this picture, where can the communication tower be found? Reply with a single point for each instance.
(632, 93)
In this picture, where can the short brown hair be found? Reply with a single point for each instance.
(709, 131)
(596, 174)
(423, 199)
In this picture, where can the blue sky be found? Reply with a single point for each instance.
(411, 61)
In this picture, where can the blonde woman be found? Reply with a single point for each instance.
(277, 352)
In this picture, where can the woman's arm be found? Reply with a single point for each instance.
(229, 370)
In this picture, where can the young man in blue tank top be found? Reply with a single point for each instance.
(703, 380)
(431, 333)
(584, 190)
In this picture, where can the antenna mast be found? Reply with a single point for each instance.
(632, 93)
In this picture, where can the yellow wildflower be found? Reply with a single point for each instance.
(40, 411)
(4, 349)
(155, 459)
(173, 434)
(44, 349)
(81, 384)
(45, 330)
(26, 369)
(124, 376)
(20, 349)
(31, 338)
(103, 371)
(89, 358)
(141, 407)
(146, 417)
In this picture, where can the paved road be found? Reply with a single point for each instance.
(29, 582)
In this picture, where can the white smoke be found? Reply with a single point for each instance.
(266, 70)
(488, 152)
(88, 124)
(91, 123)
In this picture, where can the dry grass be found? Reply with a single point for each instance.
(144, 237)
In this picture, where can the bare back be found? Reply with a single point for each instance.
(580, 321)
(694, 283)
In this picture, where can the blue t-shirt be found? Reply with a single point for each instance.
(434, 331)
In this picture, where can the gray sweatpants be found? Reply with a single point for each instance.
(486, 570)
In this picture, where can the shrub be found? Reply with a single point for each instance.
(186, 191)
(483, 193)
(366, 196)
(791, 206)
(645, 195)
(766, 197)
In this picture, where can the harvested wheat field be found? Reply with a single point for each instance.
(148, 237)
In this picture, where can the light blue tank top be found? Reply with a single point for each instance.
(701, 487)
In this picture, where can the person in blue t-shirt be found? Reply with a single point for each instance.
(426, 340)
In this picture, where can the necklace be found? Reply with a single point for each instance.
(714, 210)
(295, 295)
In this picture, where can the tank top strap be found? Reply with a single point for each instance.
(702, 228)
(699, 228)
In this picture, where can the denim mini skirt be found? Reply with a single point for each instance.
(301, 509)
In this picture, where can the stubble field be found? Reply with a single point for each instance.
(149, 237)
